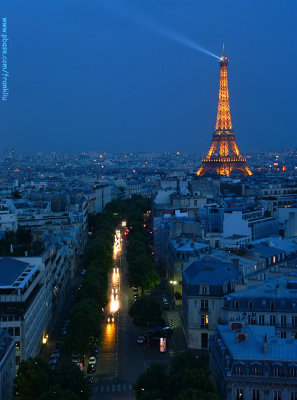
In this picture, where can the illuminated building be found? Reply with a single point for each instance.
(223, 155)
(204, 285)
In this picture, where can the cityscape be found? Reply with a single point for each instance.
(137, 273)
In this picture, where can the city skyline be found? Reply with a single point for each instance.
(96, 78)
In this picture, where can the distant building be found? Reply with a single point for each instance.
(249, 223)
(252, 363)
(205, 283)
(181, 253)
(8, 216)
(7, 365)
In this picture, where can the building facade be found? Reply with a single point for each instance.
(252, 363)
(203, 288)
(7, 365)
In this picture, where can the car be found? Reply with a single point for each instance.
(140, 339)
(91, 369)
(96, 350)
(167, 331)
(136, 297)
(92, 360)
(90, 380)
(148, 292)
(110, 318)
(135, 289)
(75, 357)
(82, 271)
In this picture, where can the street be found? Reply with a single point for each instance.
(121, 359)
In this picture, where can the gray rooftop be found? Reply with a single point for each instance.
(10, 270)
(282, 287)
(253, 347)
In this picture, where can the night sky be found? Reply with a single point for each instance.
(99, 75)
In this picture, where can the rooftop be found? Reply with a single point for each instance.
(253, 347)
(15, 273)
(183, 244)
(212, 272)
(282, 287)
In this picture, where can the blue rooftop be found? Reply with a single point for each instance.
(213, 272)
(253, 347)
(10, 270)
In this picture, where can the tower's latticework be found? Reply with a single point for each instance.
(223, 155)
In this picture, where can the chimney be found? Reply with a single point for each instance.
(265, 347)
(241, 337)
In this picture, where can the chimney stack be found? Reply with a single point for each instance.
(265, 344)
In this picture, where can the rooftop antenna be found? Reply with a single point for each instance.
(223, 49)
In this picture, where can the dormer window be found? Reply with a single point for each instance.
(204, 289)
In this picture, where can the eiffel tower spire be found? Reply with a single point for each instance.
(223, 155)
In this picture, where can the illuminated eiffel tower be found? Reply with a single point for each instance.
(223, 155)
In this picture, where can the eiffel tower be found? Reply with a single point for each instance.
(223, 155)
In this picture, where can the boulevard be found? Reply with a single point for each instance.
(121, 359)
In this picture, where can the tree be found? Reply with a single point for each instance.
(152, 384)
(56, 393)
(84, 328)
(69, 376)
(33, 378)
(146, 313)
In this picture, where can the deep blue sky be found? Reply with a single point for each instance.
(91, 74)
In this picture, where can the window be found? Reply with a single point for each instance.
(239, 371)
(272, 305)
(261, 319)
(276, 371)
(255, 371)
(239, 394)
(17, 331)
(256, 394)
(293, 372)
(293, 396)
(10, 330)
(272, 320)
(294, 321)
(204, 304)
(236, 305)
(283, 321)
(283, 334)
(250, 305)
(277, 394)
(204, 321)
(204, 289)
(195, 203)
